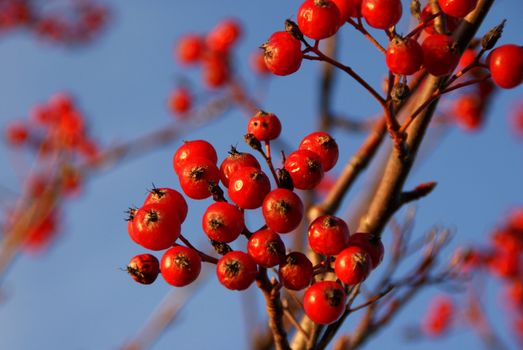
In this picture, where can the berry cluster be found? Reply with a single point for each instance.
(56, 132)
(404, 56)
(212, 52)
(156, 225)
(78, 23)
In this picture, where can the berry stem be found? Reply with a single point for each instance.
(205, 257)
(359, 27)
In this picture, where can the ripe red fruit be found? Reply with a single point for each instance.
(258, 63)
(372, 244)
(381, 14)
(282, 53)
(324, 146)
(144, 268)
(440, 56)
(236, 270)
(318, 19)
(266, 248)
(248, 187)
(467, 58)
(264, 126)
(353, 265)
(457, 8)
(324, 302)
(451, 22)
(506, 66)
(234, 162)
(348, 8)
(223, 222)
(196, 176)
(282, 210)
(328, 235)
(215, 71)
(180, 266)
(169, 197)
(468, 112)
(189, 49)
(296, 271)
(404, 56)
(154, 227)
(193, 149)
(16, 134)
(222, 37)
(305, 169)
(180, 101)
(439, 316)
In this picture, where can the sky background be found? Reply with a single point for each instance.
(76, 297)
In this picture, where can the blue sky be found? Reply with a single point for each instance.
(75, 296)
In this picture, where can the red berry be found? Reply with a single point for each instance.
(282, 210)
(196, 176)
(318, 19)
(16, 134)
(154, 227)
(440, 57)
(506, 66)
(296, 271)
(144, 268)
(189, 49)
(266, 248)
(439, 316)
(348, 8)
(180, 266)
(305, 169)
(248, 187)
(234, 162)
(223, 222)
(264, 126)
(328, 235)
(180, 101)
(282, 53)
(215, 71)
(457, 8)
(353, 265)
(258, 63)
(222, 37)
(381, 14)
(324, 146)
(468, 112)
(467, 58)
(193, 149)
(371, 244)
(169, 197)
(236, 270)
(324, 302)
(451, 22)
(404, 57)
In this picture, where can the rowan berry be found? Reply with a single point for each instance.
(404, 56)
(248, 187)
(282, 53)
(506, 66)
(234, 162)
(193, 149)
(381, 14)
(318, 19)
(222, 37)
(264, 126)
(324, 146)
(236, 270)
(440, 56)
(223, 222)
(266, 248)
(353, 265)
(372, 244)
(189, 49)
(154, 227)
(144, 268)
(196, 175)
(324, 302)
(457, 8)
(180, 101)
(180, 266)
(305, 169)
(295, 271)
(328, 235)
(282, 210)
(169, 197)
(348, 8)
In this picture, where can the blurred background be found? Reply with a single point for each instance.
(74, 295)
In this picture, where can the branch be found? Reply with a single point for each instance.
(385, 203)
